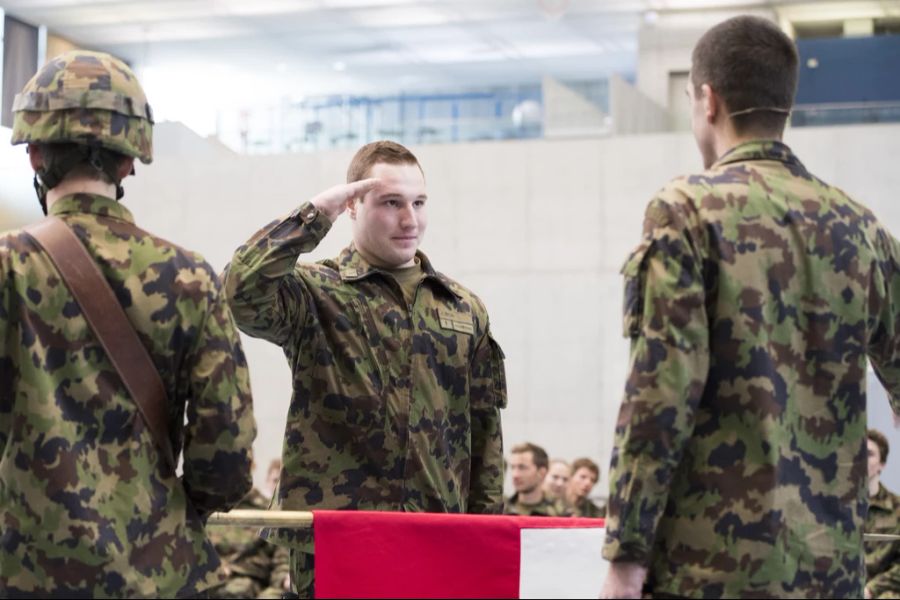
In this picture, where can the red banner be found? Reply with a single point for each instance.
(362, 554)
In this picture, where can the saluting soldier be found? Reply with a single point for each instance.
(397, 381)
(752, 302)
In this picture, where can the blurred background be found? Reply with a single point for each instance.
(543, 127)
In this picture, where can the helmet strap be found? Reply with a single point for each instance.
(41, 190)
(108, 165)
(55, 171)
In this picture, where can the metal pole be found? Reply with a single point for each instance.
(299, 519)
(293, 519)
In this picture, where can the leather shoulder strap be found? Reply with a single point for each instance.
(110, 324)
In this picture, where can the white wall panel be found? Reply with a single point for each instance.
(538, 229)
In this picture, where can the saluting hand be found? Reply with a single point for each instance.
(335, 200)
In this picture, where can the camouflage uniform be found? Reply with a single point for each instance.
(89, 506)
(883, 558)
(546, 507)
(586, 508)
(396, 406)
(739, 466)
(247, 560)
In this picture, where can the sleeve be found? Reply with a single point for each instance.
(281, 567)
(887, 583)
(220, 424)
(6, 364)
(488, 396)
(665, 318)
(267, 300)
(884, 326)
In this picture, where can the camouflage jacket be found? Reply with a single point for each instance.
(242, 551)
(586, 508)
(739, 463)
(88, 507)
(883, 558)
(395, 406)
(544, 508)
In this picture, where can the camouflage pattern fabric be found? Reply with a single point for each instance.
(739, 464)
(88, 98)
(395, 406)
(89, 507)
(883, 558)
(584, 508)
(247, 560)
(544, 508)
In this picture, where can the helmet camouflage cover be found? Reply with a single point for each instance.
(88, 98)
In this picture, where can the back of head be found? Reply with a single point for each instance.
(538, 454)
(382, 151)
(752, 65)
(86, 110)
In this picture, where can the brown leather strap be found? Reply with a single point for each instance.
(110, 324)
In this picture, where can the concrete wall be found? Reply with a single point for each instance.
(538, 229)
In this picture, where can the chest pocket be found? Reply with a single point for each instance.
(635, 274)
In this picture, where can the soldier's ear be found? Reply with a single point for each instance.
(712, 102)
(35, 157)
(126, 167)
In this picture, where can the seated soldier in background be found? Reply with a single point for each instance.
(882, 558)
(252, 567)
(585, 474)
(528, 464)
(557, 479)
(273, 475)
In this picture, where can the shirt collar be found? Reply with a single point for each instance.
(91, 204)
(883, 499)
(353, 267)
(759, 150)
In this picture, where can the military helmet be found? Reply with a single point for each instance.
(88, 98)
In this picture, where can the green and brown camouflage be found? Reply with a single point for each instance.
(583, 508)
(739, 464)
(90, 507)
(883, 558)
(545, 507)
(88, 98)
(395, 406)
(248, 562)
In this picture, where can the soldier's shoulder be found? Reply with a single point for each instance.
(465, 294)
(179, 257)
(325, 271)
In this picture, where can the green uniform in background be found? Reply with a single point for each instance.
(88, 504)
(739, 465)
(585, 508)
(883, 558)
(396, 401)
(545, 508)
(248, 562)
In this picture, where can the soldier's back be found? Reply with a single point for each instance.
(88, 504)
(769, 496)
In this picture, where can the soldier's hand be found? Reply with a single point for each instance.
(624, 580)
(335, 200)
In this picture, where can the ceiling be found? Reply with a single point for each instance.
(367, 44)
(199, 59)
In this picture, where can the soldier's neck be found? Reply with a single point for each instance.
(874, 484)
(727, 138)
(532, 496)
(80, 185)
